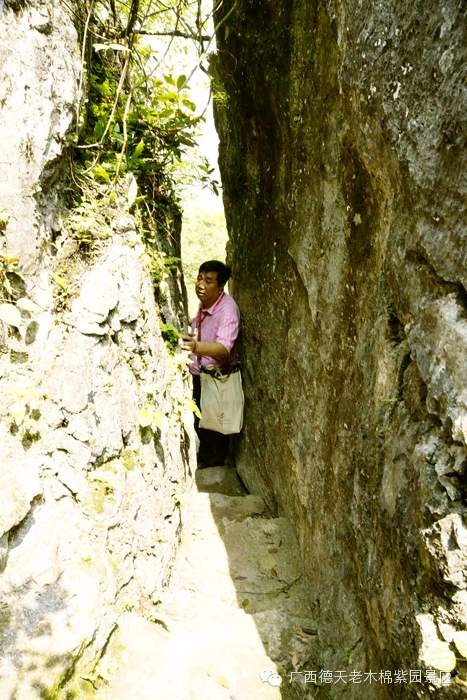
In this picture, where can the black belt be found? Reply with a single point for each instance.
(221, 371)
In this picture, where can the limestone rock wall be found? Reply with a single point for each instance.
(40, 65)
(96, 435)
(341, 156)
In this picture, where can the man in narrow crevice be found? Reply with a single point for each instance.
(211, 343)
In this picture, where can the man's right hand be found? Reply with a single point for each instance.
(188, 342)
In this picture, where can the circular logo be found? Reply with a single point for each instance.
(271, 677)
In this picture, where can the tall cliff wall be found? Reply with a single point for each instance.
(341, 128)
(96, 438)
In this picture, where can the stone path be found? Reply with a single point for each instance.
(235, 614)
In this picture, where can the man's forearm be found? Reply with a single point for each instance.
(215, 350)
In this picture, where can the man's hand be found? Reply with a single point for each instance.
(188, 342)
(216, 350)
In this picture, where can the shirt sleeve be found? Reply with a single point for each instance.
(229, 327)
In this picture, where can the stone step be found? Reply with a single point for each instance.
(219, 480)
(236, 610)
(216, 655)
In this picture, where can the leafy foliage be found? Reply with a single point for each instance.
(89, 220)
(137, 124)
(150, 417)
(138, 116)
(171, 336)
(62, 291)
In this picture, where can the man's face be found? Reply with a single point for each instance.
(207, 288)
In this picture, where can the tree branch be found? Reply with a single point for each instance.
(183, 35)
(125, 136)
(81, 74)
(132, 17)
(114, 12)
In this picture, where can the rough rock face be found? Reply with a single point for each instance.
(235, 607)
(341, 130)
(38, 93)
(96, 436)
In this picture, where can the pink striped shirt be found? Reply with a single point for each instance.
(218, 324)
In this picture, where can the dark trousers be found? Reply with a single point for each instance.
(213, 446)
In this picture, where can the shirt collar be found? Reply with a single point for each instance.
(212, 308)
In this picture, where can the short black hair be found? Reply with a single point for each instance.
(223, 271)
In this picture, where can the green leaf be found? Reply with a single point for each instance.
(181, 80)
(149, 417)
(191, 406)
(186, 140)
(167, 112)
(61, 282)
(99, 128)
(145, 417)
(139, 149)
(188, 103)
(101, 173)
(169, 79)
(117, 138)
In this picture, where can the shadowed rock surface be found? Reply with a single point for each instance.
(341, 127)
